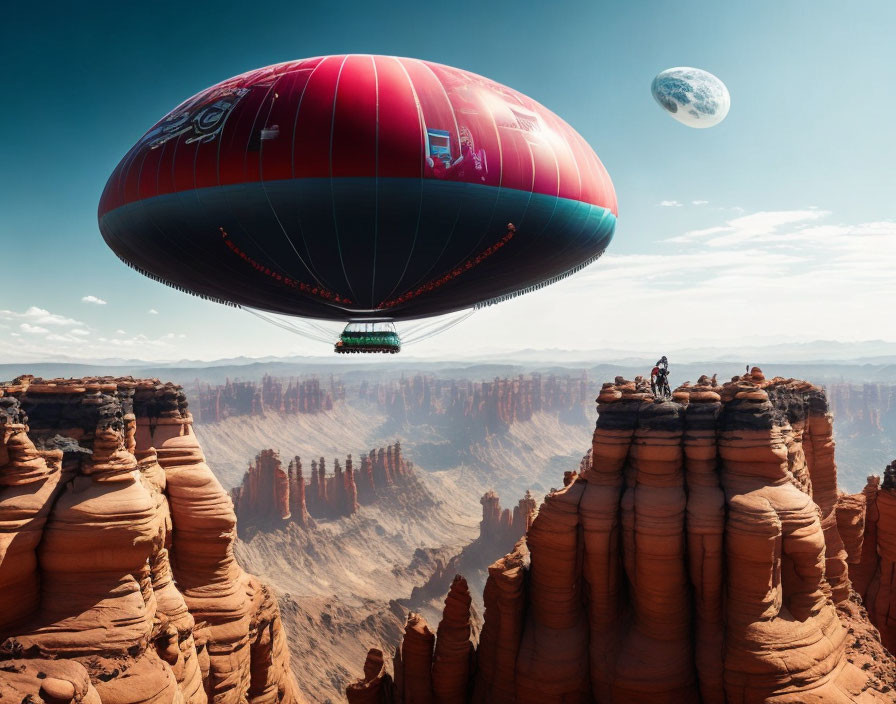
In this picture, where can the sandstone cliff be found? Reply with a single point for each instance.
(873, 557)
(701, 555)
(499, 530)
(270, 495)
(864, 409)
(484, 407)
(118, 582)
(247, 398)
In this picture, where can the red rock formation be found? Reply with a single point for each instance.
(413, 664)
(863, 410)
(297, 506)
(376, 685)
(502, 526)
(269, 497)
(266, 487)
(106, 500)
(453, 659)
(875, 573)
(484, 407)
(701, 555)
(499, 530)
(246, 398)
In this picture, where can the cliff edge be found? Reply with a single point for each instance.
(118, 583)
(701, 554)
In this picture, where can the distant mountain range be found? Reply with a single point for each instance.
(819, 360)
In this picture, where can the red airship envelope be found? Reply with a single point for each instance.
(359, 188)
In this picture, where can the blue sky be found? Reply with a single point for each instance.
(776, 224)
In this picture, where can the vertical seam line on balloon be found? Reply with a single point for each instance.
(243, 183)
(460, 203)
(422, 125)
(541, 113)
(332, 191)
(310, 265)
(264, 187)
(488, 225)
(376, 181)
(159, 168)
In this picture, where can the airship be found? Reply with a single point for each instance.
(359, 188)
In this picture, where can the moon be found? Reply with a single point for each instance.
(692, 96)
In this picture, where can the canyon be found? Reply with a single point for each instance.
(336, 569)
(369, 509)
(702, 552)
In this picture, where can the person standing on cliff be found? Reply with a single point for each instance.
(660, 378)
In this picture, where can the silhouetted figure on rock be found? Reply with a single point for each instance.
(659, 379)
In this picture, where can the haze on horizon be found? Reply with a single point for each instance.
(776, 226)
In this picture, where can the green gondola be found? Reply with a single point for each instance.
(368, 338)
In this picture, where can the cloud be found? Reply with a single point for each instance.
(670, 204)
(699, 202)
(153, 311)
(788, 274)
(39, 316)
(33, 329)
(94, 300)
(754, 229)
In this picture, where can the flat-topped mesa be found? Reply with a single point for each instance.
(272, 395)
(700, 555)
(100, 481)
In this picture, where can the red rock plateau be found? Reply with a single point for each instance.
(271, 495)
(118, 582)
(488, 406)
(247, 398)
(702, 554)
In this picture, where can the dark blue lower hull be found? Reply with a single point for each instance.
(357, 248)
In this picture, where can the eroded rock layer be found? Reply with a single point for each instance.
(118, 583)
(272, 395)
(873, 559)
(270, 496)
(702, 553)
(479, 407)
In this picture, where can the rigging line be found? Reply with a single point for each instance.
(296, 326)
(288, 328)
(303, 325)
(439, 331)
(426, 325)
